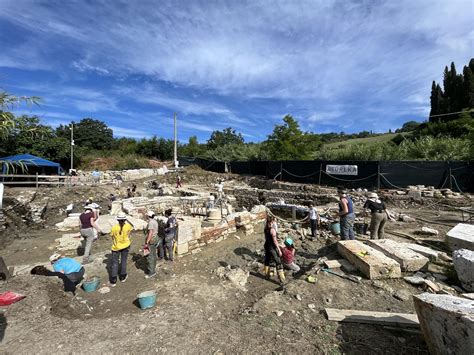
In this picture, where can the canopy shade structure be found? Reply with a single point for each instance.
(29, 160)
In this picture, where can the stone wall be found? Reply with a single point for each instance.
(192, 237)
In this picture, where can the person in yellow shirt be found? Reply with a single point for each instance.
(120, 247)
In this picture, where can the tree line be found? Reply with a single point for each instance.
(449, 136)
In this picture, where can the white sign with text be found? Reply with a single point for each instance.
(341, 169)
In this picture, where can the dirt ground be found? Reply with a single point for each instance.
(198, 312)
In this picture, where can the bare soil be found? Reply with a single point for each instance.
(198, 312)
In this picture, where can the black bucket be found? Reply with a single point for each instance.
(361, 228)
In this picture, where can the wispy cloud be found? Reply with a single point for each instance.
(298, 56)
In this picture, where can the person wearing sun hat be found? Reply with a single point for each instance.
(68, 269)
(88, 225)
(379, 215)
(288, 256)
(120, 234)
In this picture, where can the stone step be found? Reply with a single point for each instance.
(408, 259)
(447, 323)
(371, 262)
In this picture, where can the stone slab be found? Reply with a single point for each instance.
(425, 251)
(189, 229)
(371, 262)
(182, 248)
(408, 259)
(463, 261)
(461, 237)
(447, 323)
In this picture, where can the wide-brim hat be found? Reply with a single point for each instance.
(54, 257)
(121, 216)
(372, 195)
(150, 214)
(88, 207)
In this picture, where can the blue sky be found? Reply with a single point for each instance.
(334, 65)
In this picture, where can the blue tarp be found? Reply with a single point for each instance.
(30, 160)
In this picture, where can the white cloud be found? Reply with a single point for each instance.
(308, 53)
(128, 132)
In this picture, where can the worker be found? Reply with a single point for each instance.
(88, 225)
(314, 220)
(120, 247)
(379, 215)
(118, 181)
(151, 241)
(272, 249)
(170, 234)
(210, 201)
(288, 256)
(68, 269)
(178, 182)
(220, 189)
(129, 193)
(69, 209)
(95, 177)
(346, 215)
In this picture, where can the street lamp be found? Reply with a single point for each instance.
(72, 146)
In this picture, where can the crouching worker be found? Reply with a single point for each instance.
(272, 249)
(120, 247)
(67, 269)
(288, 256)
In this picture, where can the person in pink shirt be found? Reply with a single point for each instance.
(288, 256)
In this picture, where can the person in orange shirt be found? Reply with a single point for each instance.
(120, 234)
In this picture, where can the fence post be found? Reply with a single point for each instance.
(378, 175)
(36, 180)
(281, 171)
(320, 171)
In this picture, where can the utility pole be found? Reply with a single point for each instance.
(176, 163)
(72, 145)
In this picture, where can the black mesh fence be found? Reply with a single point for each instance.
(457, 175)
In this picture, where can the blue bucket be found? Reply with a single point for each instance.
(147, 299)
(91, 284)
(335, 228)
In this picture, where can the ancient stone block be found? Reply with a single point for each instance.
(425, 251)
(182, 248)
(371, 262)
(189, 229)
(463, 260)
(408, 259)
(461, 237)
(447, 323)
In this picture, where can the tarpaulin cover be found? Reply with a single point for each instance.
(9, 297)
(29, 160)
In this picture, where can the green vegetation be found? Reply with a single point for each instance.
(449, 134)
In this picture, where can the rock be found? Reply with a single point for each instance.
(298, 297)
(382, 285)
(407, 219)
(104, 290)
(414, 280)
(278, 313)
(414, 195)
(440, 277)
(311, 306)
(428, 231)
(463, 260)
(461, 237)
(432, 285)
(402, 295)
(447, 323)
(237, 277)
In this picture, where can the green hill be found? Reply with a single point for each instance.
(383, 138)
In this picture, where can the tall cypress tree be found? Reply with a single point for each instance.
(433, 100)
(468, 86)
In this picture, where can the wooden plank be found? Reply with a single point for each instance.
(371, 317)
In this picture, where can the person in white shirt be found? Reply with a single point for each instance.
(314, 220)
